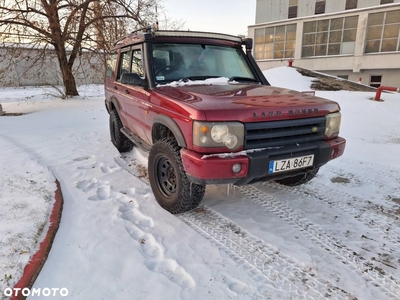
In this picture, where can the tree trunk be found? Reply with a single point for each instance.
(69, 82)
(66, 72)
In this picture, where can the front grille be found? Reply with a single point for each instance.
(283, 133)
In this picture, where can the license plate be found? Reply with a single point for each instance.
(289, 164)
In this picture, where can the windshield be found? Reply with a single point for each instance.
(174, 62)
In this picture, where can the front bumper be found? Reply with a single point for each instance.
(217, 169)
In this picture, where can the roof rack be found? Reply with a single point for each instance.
(198, 34)
(178, 33)
(147, 29)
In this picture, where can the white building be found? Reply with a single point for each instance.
(347, 38)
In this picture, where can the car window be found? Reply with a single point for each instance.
(131, 62)
(137, 63)
(110, 65)
(173, 62)
(124, 64)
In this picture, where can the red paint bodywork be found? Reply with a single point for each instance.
(229, 102)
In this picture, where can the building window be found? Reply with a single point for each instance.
(386, 1)
(329, 37)
(292, 11)
(375, 81)
(351, 4)
(345, 77)
(275, 42)
(383, 32)
(319, 7)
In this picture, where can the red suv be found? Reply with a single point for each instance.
(201, 106)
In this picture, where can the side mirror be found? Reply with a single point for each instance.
(131, 79)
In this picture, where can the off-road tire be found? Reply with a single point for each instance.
(119, 140)
(171, 187)
(298, 179)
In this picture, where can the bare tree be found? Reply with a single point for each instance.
(167, 23)
(70, 26)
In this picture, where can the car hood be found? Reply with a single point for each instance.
(248, 103)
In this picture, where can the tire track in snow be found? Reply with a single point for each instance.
(381, 220)
(352, 205)
(262, 261)
(386, 179)
(365, 269)
(372, 168)
(386, 209)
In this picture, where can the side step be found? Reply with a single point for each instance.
(136, 140)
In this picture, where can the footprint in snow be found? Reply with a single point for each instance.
(133, 192)
(237, 286)
(175, 273)
(155, 261)
(91, 166)
(108, 169)
(134, 231)
(84, 158)
(128, 202)
(102, 193)
(151, 249)
(87, 185)
(133, 215)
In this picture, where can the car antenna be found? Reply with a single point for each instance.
(156, 26)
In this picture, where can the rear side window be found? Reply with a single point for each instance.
(111, 65)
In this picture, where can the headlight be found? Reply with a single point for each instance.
(221, 134)
(332, 126)
(218, 132)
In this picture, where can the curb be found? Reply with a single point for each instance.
(33, 268)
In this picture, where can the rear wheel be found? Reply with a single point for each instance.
(298, 179)
(119, 140)
(171, 187)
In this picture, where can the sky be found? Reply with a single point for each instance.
(336, 237)
(224, 16)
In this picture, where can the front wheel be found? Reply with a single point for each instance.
(298, 179)
(171, 187)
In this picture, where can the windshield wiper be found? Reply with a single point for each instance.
(239, 78)
(186, 79)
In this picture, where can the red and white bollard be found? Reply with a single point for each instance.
(385, 88)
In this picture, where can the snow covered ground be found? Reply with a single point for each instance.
(337, 237)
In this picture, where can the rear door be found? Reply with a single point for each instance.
(110, 76)
(124, 65)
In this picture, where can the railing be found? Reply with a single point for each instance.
(385, 88)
